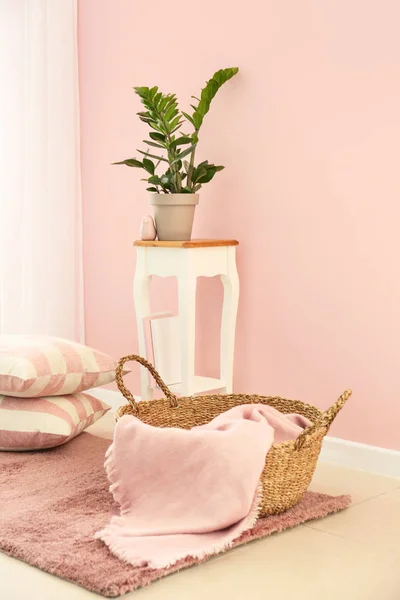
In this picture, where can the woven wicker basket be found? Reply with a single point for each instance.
(289, 466)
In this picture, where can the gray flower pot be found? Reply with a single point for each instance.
(174, 215)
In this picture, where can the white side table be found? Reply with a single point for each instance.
(187, 261)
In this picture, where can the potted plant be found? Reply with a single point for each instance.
(173, 177)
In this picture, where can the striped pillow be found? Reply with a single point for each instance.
(30, 424)
(35, 366)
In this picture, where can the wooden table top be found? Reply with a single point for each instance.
(185, 244)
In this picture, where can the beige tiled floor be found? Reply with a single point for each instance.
(354, 555)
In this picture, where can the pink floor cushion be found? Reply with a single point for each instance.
(36, 366)
(33, 424)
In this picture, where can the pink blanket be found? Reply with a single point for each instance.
(189, 492)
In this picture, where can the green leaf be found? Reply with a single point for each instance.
(153, 91)
(177, 127)
(154, 179)
(172, 103)
(181, 141)
(157, 99)
(188, 117)
(145, 113)
(207, 165)
(171, 113)
(153, 156)
(209, 174)
(166, 182)
(197, 174)
(184, 153)
(203, 107)
(152, 189)
(130, 162)
(157, 127)
(160, 137)
(202, 164)
(208, 93)
(197, 120)
(149, 166)
(224, 75)
(154, 144)
(148, 104)
(172, 124)
(143, 92)
(163, 103)
(147, 120)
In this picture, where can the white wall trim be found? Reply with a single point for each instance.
(361, 456)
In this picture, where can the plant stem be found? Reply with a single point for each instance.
(191, 165)
(171, 157)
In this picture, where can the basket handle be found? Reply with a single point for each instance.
(326, 419)
(173, 401)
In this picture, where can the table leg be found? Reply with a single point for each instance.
(187, 330)
(230, 282)
(141, 284)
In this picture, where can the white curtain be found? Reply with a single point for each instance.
(41, 289)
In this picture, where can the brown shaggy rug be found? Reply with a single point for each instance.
(53, 501)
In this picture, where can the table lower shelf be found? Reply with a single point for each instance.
(201, 385)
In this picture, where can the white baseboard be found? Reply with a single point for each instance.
(361, 456)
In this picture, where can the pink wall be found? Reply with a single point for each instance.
(310, 136)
